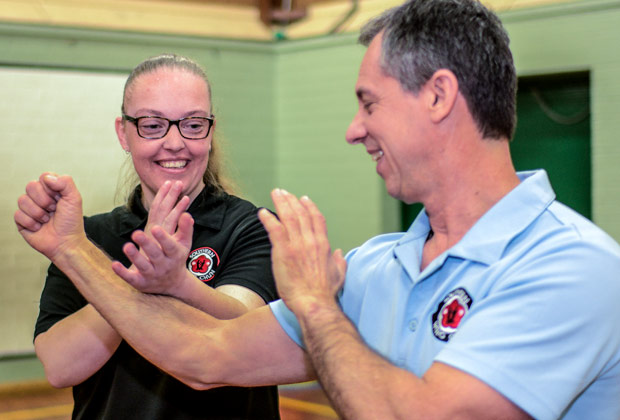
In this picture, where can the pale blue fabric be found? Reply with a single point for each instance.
(542, 328)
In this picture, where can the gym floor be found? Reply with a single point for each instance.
(37, 400)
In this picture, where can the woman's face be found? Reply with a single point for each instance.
(172, 94)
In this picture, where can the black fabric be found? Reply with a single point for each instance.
(128, 386)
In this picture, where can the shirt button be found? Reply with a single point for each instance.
(413, 324)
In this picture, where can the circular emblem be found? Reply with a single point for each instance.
(450, 313)
(203, 262)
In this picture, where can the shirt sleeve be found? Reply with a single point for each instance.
(288, 320)
(59, 299)
(249, 260)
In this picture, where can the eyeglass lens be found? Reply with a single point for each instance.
(192, 128)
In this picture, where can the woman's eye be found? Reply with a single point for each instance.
(152, 125)
(193, 126)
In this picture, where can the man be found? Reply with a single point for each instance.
(499, 302)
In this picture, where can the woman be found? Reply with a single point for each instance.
(167, 127)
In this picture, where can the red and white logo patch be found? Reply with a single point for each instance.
(450, 313)
(203, 262)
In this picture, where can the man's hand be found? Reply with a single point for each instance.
(159, 265)
(49, 215)
(305, 269)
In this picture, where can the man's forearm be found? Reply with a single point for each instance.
(357, 380)
(363, 385)
(145, 321)
(251, 350)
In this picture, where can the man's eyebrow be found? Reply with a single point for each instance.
(363, 93)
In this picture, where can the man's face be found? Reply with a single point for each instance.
(393, 126)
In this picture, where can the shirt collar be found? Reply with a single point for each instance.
(209, 208)
(487, 239)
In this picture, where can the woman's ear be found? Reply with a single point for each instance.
(444, 88)
(119, 126)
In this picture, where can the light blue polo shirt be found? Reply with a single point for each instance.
(528, 301)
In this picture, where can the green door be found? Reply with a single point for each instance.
(553, 133)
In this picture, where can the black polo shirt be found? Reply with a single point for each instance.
(230, 246)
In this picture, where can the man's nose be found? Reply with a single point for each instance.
(356, 131)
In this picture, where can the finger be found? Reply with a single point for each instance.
(59, 185)
(41, 195)
(134, 278)
(304, 220)
(138, 259)
(169, 199)
(167, 243)
(290, 213)
(44, 179)
(171, 221)
(63, 187)
(167, 207)
(185, 230)
(161, 193)
(150, 250)
(157, 210)
(277, 233)
(341, 263)
(317, 219)
(29, 208)
(25, 223)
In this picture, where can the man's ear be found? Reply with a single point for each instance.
(443, 88)
(119, 126)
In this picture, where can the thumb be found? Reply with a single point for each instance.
(60, 186)
(341, 263)
(185, 229)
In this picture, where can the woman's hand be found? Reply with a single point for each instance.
(167, 207)
(159, 265)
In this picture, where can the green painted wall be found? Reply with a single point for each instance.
(582, 36)
(315, 102)
(283, 109)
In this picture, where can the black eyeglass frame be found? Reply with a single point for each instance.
(136, 120)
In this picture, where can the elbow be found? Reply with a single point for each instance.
(201, 373)
(197, 376)
(197, 379)
(201, 386)
(55, 373)
(56, 377)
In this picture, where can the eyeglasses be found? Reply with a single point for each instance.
(153, 128)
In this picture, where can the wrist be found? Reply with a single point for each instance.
(70, 248)
(184, 286)
(311, 309)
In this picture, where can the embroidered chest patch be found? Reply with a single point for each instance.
(450, 312)
(203, 262)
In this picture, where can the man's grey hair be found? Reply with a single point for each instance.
(423, 36)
